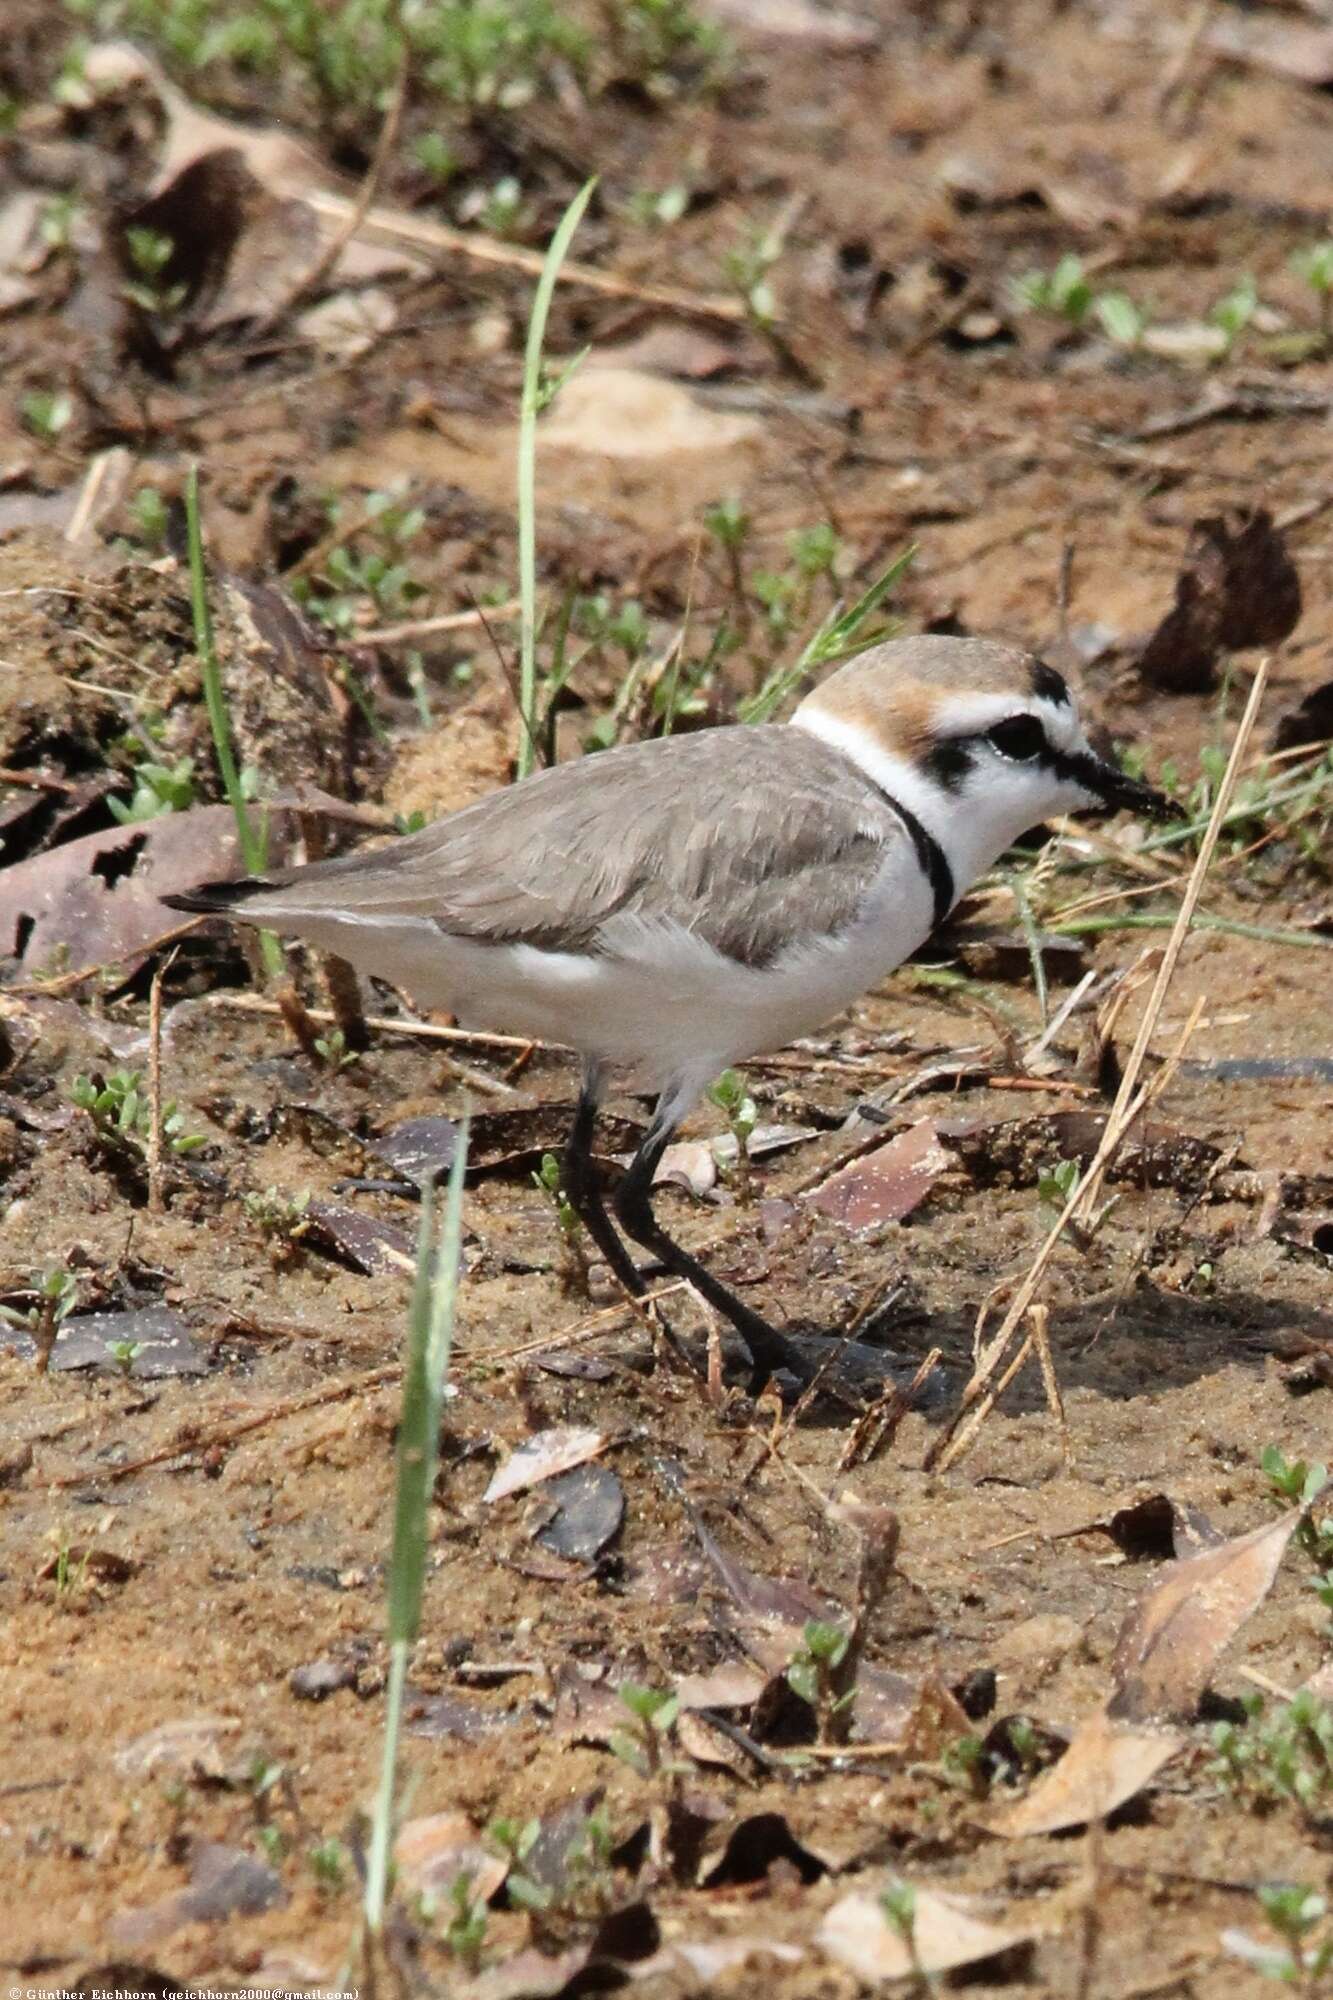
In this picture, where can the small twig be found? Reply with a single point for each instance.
(414, 629)
(317, 274)
(385, 1024)
(1039, 1319)
(105, 467)
(1059, 1017)
(34, 781)
(426, 235)
(1130, 1101)
(1092, 1913)
(194, 1442)
(156, 1202)
(587, 1328)
(877, 1429)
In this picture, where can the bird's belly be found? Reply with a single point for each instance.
(661, 1003)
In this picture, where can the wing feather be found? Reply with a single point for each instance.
(753, 839)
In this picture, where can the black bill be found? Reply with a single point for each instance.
(1117, 790)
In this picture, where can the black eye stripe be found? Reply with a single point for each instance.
(1020, 737)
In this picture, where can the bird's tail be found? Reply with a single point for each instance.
(213, 899)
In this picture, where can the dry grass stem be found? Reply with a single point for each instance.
(981, 1392)
(390, 226)
(317, 274)
(156, 1202)
(412, 629)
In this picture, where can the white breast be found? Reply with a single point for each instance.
(658, 1001)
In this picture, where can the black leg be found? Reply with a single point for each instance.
(585, 1197)
(634, 1211)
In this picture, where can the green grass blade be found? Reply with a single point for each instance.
(1163, 920)
(838, 638)
(429, 1345)
(253, 841)
(527, 473)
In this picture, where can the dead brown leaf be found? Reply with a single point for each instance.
(1107, 1762)
(856, 1933)
(886, 1185)
(542, 1456)
(431, 1853)
(1176, 1632)
(96, 901)
(1239, 587)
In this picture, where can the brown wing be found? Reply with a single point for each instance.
(748, 837)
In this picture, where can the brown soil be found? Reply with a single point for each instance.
(214, 1532)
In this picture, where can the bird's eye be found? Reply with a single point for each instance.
(1018, 736)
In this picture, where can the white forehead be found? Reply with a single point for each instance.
(974, 714)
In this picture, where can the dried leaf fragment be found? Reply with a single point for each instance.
(1107, 1762)
(1175, 1633)
(886, 1185)
(856, 1933)
(542, 1456)
(1239, 587)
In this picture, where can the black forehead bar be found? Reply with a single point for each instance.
(1046, 683)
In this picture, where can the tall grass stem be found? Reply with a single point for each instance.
(529, 410)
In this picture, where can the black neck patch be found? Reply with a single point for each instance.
(929, 853)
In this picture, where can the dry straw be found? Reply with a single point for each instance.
(982, 1391)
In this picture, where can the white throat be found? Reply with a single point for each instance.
(971, 841)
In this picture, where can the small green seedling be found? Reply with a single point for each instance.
(1300, 1484)
(69, 1575)
(747, 266)
(815, 550)
(121, 1116)
(435, 156)
(589, 1884)
(898, 1905)
(814, 1675)
(125, 1353)
(465, 1933)
(1314, 264)
(1234, 311)
(328, 1865)
(368, 573)
(1063, 291)
(278, 1217)
(1295, 1912)
(652, 1712)
(150, 252)
(47, 412)
(1283, 1757)
(549, 1182)
(1056, 1183)
(516, 1839)
(158, 789)
(56, 1293)
(962, 1765)
(334, 1052)
(659, 208)
(152, 517)
(732, 1097)
(1122, 321)
(729, 524)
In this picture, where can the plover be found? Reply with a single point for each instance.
(670, 908)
